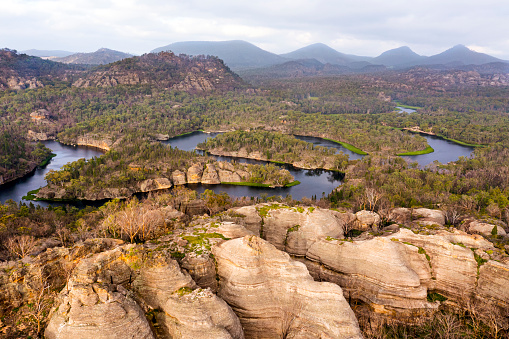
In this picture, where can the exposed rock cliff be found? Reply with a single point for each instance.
(166, 70)
(276, 297)
(197, 173)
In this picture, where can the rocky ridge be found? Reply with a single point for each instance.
(196, 74)
(228, 277)
(326, 163)
(199, 173)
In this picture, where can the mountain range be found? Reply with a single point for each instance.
(242, 55)
(316, 59)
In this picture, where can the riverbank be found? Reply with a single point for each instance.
(408, 106)
(348, 146)
(427, 150)
(459, 142)
(259, 157)
(29, 171)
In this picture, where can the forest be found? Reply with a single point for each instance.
(135, 103)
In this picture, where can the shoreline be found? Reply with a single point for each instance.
(31, 171)
(226, 154)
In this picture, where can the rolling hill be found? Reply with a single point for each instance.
(401, 56)
(100, 57)
(236, 54)
(166, 70)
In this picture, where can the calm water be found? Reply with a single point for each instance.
(313, 182)
(17, 189)
(406, 110)
(330, 144)
(445, 151)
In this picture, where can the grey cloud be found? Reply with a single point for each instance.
(360, 27)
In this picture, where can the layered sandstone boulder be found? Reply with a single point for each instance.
(194, 174)
(388, 275)
(210, 175)
(226, 172)
(295, 229)
(249, 218)
(179, 178)
(275, 296)
(96, 302)
(97, 311)
(428, 217)
(396, 274)
(485, 229)
(155, 184)
(366, 220)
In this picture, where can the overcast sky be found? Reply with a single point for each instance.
(361, 27)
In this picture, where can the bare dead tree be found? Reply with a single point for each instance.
(39, 308)
(20, 245)
(452, 215)
(371, 198)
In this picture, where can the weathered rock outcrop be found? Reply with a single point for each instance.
(96, 141)
(249, 217)
(295, 229)
(36, 136)
(276, 297)
(178, 177)
(226, 173)
(97, 303)
(421, 216)
(194, 174)
(395, 274)
(366, 220)
(388, 275)
(97, 311)
(426, 216)
(210, 175)
(155, 184)
(486, 229)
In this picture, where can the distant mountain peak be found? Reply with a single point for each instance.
(237, 54)
(460, 54)
(100, 57)
(398, 56)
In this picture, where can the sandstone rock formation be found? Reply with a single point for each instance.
(366, 220)
(395, 274)
(276, 297)
(91, 140)
(194, 174)
(485, 229)
(155, 184)
(178, 177)
(426, 216)
(295, 229)
(210, 175)
(35, 136)
(96, 302)
(390, 276)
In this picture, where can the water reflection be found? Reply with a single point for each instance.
(65, 154)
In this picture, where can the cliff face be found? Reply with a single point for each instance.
(392, 275)
(218, 278)
(199, 173)
(166, 70)
(20, 71)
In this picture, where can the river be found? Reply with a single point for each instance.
(313, 182)
(15, 190)
(406, 110)
(445, 151)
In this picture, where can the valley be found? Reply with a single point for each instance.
(309, 194)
